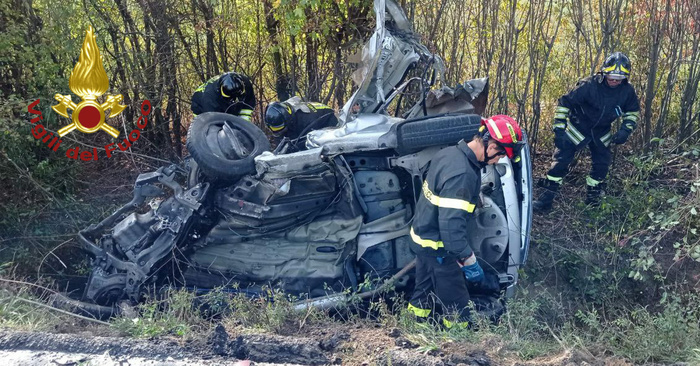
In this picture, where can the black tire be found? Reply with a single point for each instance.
(225, 146)
(417, 134)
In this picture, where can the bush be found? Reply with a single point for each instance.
(639, 335)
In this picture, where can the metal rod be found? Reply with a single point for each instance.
(330, 301)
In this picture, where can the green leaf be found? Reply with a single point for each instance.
(299, 12)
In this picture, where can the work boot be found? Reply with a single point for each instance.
(594, 194)
(544, 202)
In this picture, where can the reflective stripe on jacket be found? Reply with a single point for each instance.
(448, 199)
(592, 106)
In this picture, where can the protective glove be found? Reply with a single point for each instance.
(472, 270)
(621, 136)
(560, 138)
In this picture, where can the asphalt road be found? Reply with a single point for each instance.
(28, 349)
(44, 358)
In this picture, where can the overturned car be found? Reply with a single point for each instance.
(322, 220)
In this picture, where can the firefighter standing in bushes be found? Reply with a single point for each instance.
(293, 119)
(230, 93)
(583, 118)
(439, 230)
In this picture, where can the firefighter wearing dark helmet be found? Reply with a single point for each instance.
(445, 261)
(230, 93)
(293, 119)
(584, 118)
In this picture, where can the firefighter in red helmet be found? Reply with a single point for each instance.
(445, 261)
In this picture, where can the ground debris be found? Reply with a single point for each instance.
(408, 358)
(332, 342)
(268, 348)
(477, 358)
(395, 333)
(403, 342)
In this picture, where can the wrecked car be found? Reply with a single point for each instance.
(323, 220)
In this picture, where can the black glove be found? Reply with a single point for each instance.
(621, 136)
(560, 138)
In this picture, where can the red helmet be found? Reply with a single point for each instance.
(506, 132)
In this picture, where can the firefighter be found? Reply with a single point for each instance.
(230, 93)
(583, 118)
(293, 119)
(445, 260)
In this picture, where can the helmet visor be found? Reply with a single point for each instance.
(616, 77)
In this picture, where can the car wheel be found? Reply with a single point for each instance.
(225, 146)
(417, 134)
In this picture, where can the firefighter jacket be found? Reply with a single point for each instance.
(448, 200)
(308, 116)
(589, 110)
(207, 98)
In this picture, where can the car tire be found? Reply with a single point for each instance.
(225, 146)
(417, 134)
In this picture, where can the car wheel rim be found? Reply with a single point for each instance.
(229, 142)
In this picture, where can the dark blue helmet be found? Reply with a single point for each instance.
(617, 65)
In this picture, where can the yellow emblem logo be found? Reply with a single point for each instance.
(89, 81)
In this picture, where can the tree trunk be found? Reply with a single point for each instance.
(676, 30)
(272, 25)
(166, 82)
(208, 13)
(654, 35)
(313, 90)
(689, 92)
(295, 63)
(337, 89)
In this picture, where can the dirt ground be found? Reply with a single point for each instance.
(360, 346)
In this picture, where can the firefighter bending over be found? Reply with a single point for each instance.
(230, 93)
(293, 119)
